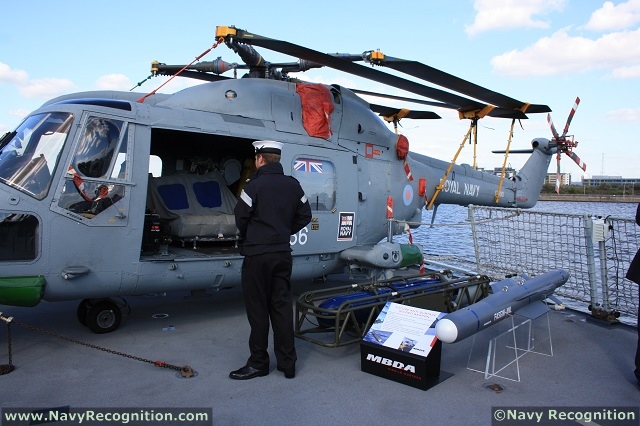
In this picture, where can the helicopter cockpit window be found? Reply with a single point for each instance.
(119, 170)
(98, 143)
(29, 156)
(100, 161)
(317, 177)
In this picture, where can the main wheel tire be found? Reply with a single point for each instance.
(103, 317)
(83, 310)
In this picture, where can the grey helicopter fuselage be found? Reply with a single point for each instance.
(59, 230)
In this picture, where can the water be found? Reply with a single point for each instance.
(457, 240)
(617, 210)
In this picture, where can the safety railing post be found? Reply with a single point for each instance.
(474, 234)
(591, 263)
(603, 277)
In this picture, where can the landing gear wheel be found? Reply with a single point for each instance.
(83, 310)
(103, 317)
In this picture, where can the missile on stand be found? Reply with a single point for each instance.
(513, 294)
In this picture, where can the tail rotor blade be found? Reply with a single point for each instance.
(573, 111)
(577, 160)
(553, 128)
(558, 174)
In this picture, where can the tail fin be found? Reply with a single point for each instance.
(531, 177)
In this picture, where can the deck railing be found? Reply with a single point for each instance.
(596, 250)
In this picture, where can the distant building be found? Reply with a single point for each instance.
(509, 172)
(565, 178)
(611, 180)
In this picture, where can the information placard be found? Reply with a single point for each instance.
(405, 328)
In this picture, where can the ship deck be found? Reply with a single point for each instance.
(591, 366)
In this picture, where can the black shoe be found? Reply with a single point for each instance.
(289, 374)
(247, 372)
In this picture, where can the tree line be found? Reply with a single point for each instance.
(602, 189)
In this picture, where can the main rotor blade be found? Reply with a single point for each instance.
(386, 111)
(496, 112)
(451, 82)
(463, 104)
(401, 98)
(514, 151)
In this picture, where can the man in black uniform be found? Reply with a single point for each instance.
(271, 208)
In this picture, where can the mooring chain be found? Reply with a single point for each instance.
(185, 371)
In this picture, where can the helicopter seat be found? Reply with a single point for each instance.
(194, 207)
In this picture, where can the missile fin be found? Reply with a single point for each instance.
(533, 310)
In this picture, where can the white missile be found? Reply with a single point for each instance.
(511, 296)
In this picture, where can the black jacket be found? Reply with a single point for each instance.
(271, 208)
(633, 273)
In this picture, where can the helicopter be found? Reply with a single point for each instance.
(106, 194)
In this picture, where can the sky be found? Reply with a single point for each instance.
(537, 51)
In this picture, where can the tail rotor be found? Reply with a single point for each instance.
(565, 143)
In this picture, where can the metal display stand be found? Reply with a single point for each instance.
(356, 306)
(496, 351)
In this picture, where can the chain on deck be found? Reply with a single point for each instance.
(185, 371)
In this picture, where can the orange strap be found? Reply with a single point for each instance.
(141, 100)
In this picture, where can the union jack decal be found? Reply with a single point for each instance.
(307, 165)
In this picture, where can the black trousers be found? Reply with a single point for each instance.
(266, 286)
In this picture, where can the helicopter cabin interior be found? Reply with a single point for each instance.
(195, 180)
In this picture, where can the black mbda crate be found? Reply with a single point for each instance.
(403, 367)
